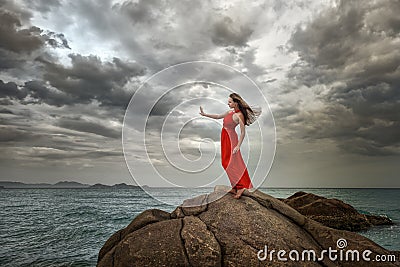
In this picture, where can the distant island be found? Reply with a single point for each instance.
(65, 185)
(116, 186)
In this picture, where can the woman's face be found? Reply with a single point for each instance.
(231, 104)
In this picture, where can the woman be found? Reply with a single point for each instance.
(231, 157)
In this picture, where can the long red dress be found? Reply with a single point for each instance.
(233, 163)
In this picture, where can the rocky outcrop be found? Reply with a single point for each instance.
(217, 230)
(333, 212)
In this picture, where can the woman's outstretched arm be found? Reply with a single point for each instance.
(213, 116)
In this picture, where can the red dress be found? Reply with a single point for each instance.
(233, 163)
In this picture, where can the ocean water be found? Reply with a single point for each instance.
(67, 227)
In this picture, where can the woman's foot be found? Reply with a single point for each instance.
(233, 191)
(239, 193)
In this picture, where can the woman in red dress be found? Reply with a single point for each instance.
(231, 158)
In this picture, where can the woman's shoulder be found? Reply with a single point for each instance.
(238, 112)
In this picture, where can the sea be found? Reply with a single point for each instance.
(67, 227)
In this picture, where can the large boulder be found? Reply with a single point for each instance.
(333, 212)
(217, 230)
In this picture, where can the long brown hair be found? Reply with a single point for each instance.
(250, 114)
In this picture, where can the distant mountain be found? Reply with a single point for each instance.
(64, 185)
(124, 186)
(99, 186)
(116, 186)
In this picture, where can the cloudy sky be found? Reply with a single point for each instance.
(328, 69)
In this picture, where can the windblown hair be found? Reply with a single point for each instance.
(250, 113)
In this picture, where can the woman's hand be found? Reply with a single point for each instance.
(235, 149)
(202, 112)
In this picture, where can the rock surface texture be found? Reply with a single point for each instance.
(236, 232)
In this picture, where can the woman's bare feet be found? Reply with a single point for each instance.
(233, 191)
(239, 193)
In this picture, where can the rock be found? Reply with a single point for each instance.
(143, 219)
(217, 230)
(333, 212)
(202, 248)
(379, 220)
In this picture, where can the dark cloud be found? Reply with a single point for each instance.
(15, 39)
(54, 143)
(14, 7)
(5, 102)
(166, 103)
(78, 123)
(86, 80)
(101, 154)
(57, 154)
(9, 60)
(352, 49)
(225, 32)
(90, 79)
(8, 134)
(56, 40)
(285, 111)
(11, 90)
(6, 111)
(21, 43)
(39, 91)
(143, 11)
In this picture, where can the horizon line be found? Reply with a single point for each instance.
(261, 187)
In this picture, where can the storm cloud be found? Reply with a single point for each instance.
(352, 52)
(90, 79)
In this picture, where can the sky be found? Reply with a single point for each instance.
(326, 74)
